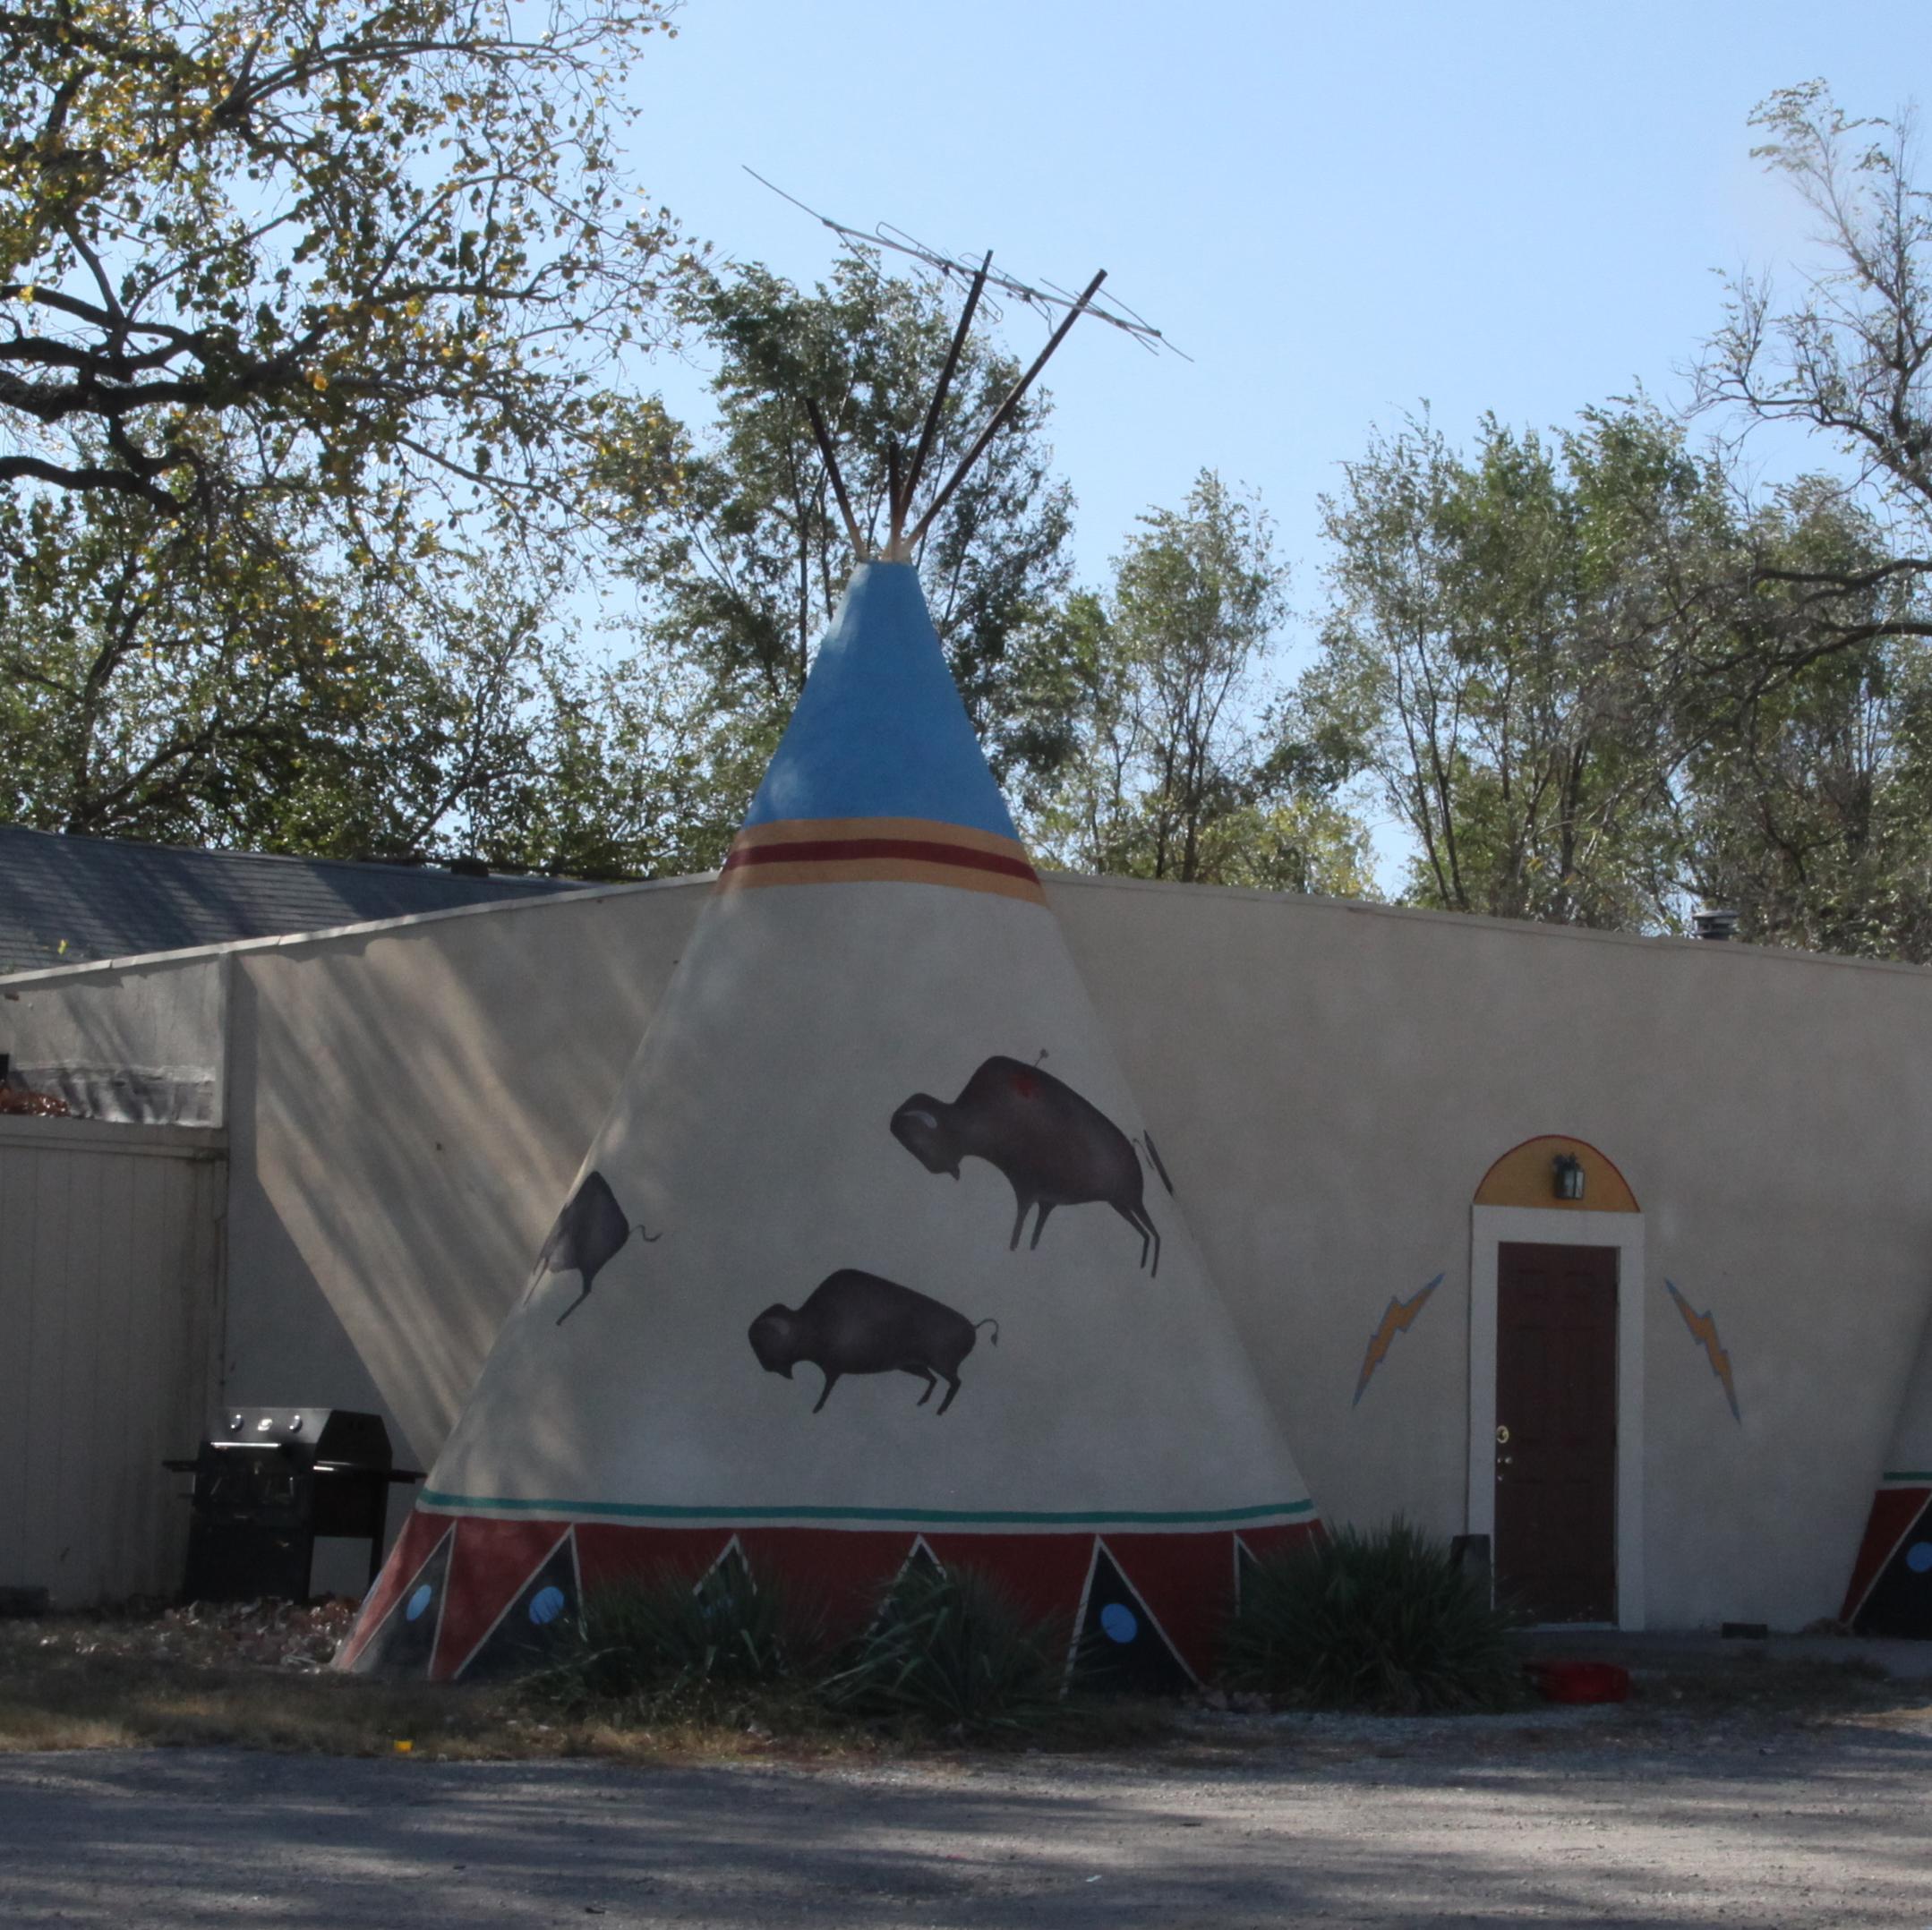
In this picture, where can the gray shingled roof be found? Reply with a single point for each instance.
(66, 900)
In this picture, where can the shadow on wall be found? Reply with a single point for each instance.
(140, 1045)
(417, 1221)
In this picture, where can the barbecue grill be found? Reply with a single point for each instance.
(273, 1481)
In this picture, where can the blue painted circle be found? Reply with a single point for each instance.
(546, 1605)
(1918, 1558)
(418, 1602)
(1118, 1622)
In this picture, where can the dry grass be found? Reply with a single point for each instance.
(1786, 1688)
(256, 1678)
(53, 1697)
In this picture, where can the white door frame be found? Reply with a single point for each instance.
(1494, 1226)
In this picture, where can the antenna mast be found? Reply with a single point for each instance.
(903, 475)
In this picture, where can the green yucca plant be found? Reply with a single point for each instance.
(948, 1648)
(1381, 1620)
(660, 1633)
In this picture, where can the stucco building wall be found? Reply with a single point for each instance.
(1329, 1083)
(136, 1041)
(1910, 1449)
(1334, 1081)
(409, 1106)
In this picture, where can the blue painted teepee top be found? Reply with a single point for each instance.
(880, 730)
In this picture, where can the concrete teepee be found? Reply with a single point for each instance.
(917, 1274)
(916, 1282)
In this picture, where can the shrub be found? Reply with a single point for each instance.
(948, 1648)
(660, 1634)
(1381, 1620)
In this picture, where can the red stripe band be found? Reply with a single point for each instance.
(831, 849)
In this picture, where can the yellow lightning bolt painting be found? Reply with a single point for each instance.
(1704, 1331)
(1399, 1315)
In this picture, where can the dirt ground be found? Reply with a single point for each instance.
(1797, 1797)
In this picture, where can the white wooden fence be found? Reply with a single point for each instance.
(110, 1325)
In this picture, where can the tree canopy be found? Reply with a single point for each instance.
(1482, 656)
(325, 435)
(325, 246)
(1166, 676)
(1850, 357)
(297, 305)
(743, 569)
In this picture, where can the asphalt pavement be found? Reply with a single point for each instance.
(1502, 1820)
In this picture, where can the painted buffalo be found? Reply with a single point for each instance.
(855, 1323)
(1054, 1148)
(590, 1232)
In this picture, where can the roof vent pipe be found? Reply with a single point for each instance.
(1716, 924)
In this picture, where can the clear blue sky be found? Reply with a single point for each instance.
(1337, 210)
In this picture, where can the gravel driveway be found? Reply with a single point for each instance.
(1263, 1822)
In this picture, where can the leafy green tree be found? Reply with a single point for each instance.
(1806, 702)
(1172, 776)
(1595, 683)
(1807, 786)
(358, 248)
(742, 567)
(1848, 357)
(295, 303)
(1486, 651)
(1597, 688)
(172, 680)
(623, 779)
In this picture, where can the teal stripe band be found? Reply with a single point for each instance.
(435, 1498)
(1907, 1473)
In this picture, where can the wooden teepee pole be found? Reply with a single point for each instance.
(838, 482)
(900, 548)
(1003, 412)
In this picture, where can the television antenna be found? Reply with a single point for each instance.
(903, 473)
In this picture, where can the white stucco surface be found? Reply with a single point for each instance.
(752, 1132)
(1334, 1081)
(138, 1041)
(1328, 1084)
(1910, 1449)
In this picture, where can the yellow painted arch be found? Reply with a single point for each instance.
(1526, 1176)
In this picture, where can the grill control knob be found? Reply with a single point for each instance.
(234, 1423)
(265, 1425)
(295, 1423)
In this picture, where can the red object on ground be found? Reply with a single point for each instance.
(1567, 1681)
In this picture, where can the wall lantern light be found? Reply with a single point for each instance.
(1569, 1176)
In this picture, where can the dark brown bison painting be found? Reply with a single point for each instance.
(590, 1232)
(857, 1323)
(1054, 1148)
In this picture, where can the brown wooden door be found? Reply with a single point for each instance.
(1556, 1432)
